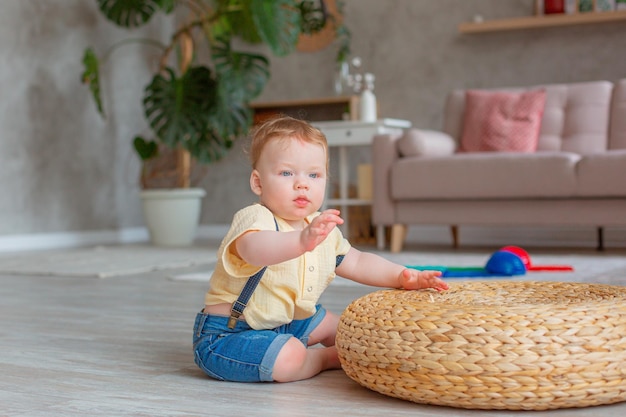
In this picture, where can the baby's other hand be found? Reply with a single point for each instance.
(413, 279)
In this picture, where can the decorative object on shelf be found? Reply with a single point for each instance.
(585, 5)
(571, 6)
(553, 6)
(363, 84)
(367, 108)
(604, 5)
(346, 77)
(478, 18)
(342, 78)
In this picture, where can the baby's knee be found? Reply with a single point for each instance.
(289, 361)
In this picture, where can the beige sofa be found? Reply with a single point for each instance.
(576, 176)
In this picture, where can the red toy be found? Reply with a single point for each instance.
(525, 257)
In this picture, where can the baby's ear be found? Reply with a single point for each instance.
(255, 182)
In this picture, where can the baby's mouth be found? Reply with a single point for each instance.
(301, 201)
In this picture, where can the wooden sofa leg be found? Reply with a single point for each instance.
(398, 234)
(600, 246)
(454, 230)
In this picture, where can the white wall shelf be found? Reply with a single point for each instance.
(542, 21)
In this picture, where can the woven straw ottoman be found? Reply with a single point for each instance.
(490, 344)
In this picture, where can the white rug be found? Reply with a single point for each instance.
(203, 276)
(110, 261)
(104, 261)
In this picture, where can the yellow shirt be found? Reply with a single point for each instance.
(289, 290)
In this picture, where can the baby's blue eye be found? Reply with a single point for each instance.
(314, 175)
(285, 173)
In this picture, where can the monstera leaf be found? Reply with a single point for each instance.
(277, 23)
(235, 21)
(146, 149)
(91, 76)
(244, 75)
(133, 13)
(177, 108)
(230, 119)
(209, 146)
(274, 22)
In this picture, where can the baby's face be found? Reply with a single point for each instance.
(290, 179)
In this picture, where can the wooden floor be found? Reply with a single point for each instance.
(122, 347)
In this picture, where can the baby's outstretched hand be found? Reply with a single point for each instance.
(413, 279)
(319, 228)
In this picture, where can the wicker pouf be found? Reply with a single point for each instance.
(490, 344)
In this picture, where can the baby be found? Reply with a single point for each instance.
(293, 251)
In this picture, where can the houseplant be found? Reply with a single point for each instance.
(197, 109)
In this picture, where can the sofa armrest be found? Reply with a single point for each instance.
(384, 154)
(420, 142)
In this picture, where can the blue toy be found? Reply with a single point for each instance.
(501, 263)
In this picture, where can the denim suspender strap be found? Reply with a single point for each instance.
(236, 310)
(241, 302)
(244, 296)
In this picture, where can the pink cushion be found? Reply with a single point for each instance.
(502, 121)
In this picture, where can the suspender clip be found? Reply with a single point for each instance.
(235, 313)
(232, 320)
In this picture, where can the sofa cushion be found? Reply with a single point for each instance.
(576, 117)
(420, 142)
(502, 121)
(485, 175)
(602, 174)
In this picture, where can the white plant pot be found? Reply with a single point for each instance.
(172, 215)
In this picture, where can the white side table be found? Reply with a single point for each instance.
(343, 134)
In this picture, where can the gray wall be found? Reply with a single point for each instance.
(66, 169)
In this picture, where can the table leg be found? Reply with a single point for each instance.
(380, 237)
(343, 187)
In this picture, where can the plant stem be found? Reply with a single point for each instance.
(183, 168)
(146, 41)
(208, 18)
